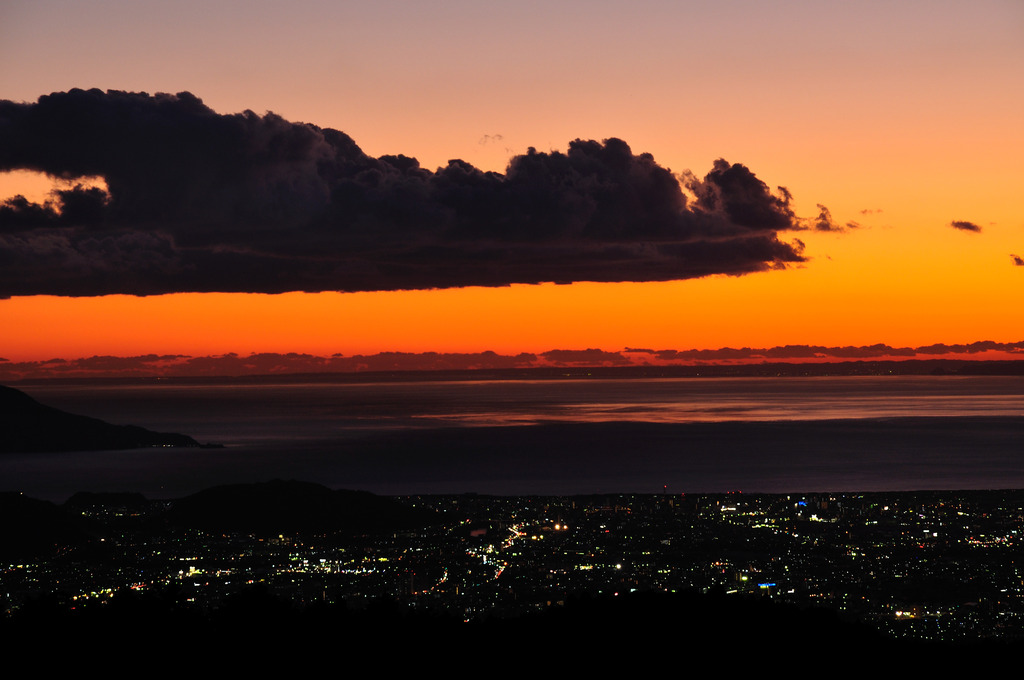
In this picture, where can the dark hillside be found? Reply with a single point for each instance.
(27, 426)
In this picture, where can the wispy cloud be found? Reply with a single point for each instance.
(965, 226)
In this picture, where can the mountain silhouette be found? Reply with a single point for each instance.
(27, 426)
(291, 506)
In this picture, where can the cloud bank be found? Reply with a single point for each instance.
(271, 363)
(197, 201)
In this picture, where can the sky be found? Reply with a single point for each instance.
(186, 227)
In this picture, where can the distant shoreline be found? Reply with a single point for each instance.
(908, 367)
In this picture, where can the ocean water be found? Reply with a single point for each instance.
(551, 436)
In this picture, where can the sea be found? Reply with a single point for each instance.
(548, 437)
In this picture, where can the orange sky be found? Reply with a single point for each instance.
(911, 113)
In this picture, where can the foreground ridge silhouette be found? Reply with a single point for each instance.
(811, 577)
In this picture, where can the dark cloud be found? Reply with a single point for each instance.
(965, 226)
(820, 352)
(585, 357)
(198, 201)
(19, 213)
(269, 363)
(824, 222)
(430, 361)
(77, 207)
(1018, 260)
(734, 191)
(972, 348)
